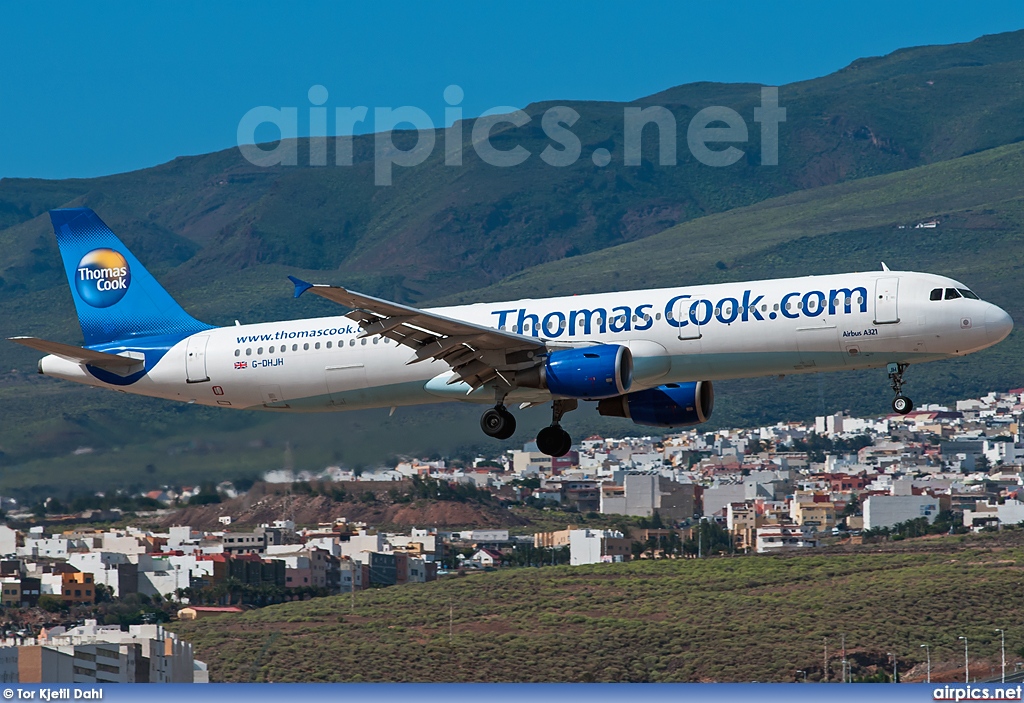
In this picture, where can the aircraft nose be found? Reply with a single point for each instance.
(997, 324)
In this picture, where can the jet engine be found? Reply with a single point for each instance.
(669, 405)
(600, 371)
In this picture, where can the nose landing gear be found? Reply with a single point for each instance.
(901, 403)
(553, 440)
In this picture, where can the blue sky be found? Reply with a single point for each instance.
(94, 88)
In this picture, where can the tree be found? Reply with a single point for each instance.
(51, 603)
(207, 495)
(104, 593)
(852, 507)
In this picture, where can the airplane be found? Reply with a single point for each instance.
(650, 356)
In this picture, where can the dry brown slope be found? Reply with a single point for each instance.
(265, 504)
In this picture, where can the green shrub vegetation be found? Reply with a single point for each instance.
(720, 619)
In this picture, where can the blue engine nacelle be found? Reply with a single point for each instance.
(591, 373)
(670, 405)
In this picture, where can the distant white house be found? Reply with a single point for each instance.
(487, 557)
(986, 514)
(784, 537)
(8, 541)
(886, 511)
(597, 546)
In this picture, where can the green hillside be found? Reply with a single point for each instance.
(441, 229)
(848, 226)
(845, 227)
(923, 132)
(726, 619)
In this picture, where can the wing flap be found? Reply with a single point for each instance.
(478, 354)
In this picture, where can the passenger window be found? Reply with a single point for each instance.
(271, 350)
(936, 294)
(968, 294)
(248, 352)
(363, 341)
(317, 345)
(305, 347)
(351, 342)
(259, 352)
(238, 352)
(295, 347)
(328, 345)
(952, 294)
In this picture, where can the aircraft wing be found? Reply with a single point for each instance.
(478, 354)
(77, 354)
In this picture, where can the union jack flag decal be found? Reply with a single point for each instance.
(241, 364)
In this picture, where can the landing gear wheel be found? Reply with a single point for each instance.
(498, 423)
(902, 404)
(554, 441)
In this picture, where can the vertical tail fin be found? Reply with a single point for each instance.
(115, 296)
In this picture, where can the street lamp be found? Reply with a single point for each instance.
(844, 658)
(928, 654)
(801, 671)
(1002, 650)
(893, 666)
(967, 662)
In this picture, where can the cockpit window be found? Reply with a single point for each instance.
(952, 294)
(968, 294)
(936, 294)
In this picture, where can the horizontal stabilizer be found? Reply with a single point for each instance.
(77, 354)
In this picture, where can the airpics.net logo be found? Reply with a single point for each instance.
(102, 277)
(714, 134)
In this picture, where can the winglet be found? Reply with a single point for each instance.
(300, 285)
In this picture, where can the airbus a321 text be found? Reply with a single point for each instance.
(647, 355)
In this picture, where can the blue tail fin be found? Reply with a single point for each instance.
(115, 296)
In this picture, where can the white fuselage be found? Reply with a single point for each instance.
(712, 332)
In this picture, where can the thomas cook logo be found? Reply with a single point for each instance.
(102, 277)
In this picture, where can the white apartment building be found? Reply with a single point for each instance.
(886, 511)
(783, 537)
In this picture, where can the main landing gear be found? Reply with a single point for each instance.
(498, 422)
(553, 440)
(901, 403)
